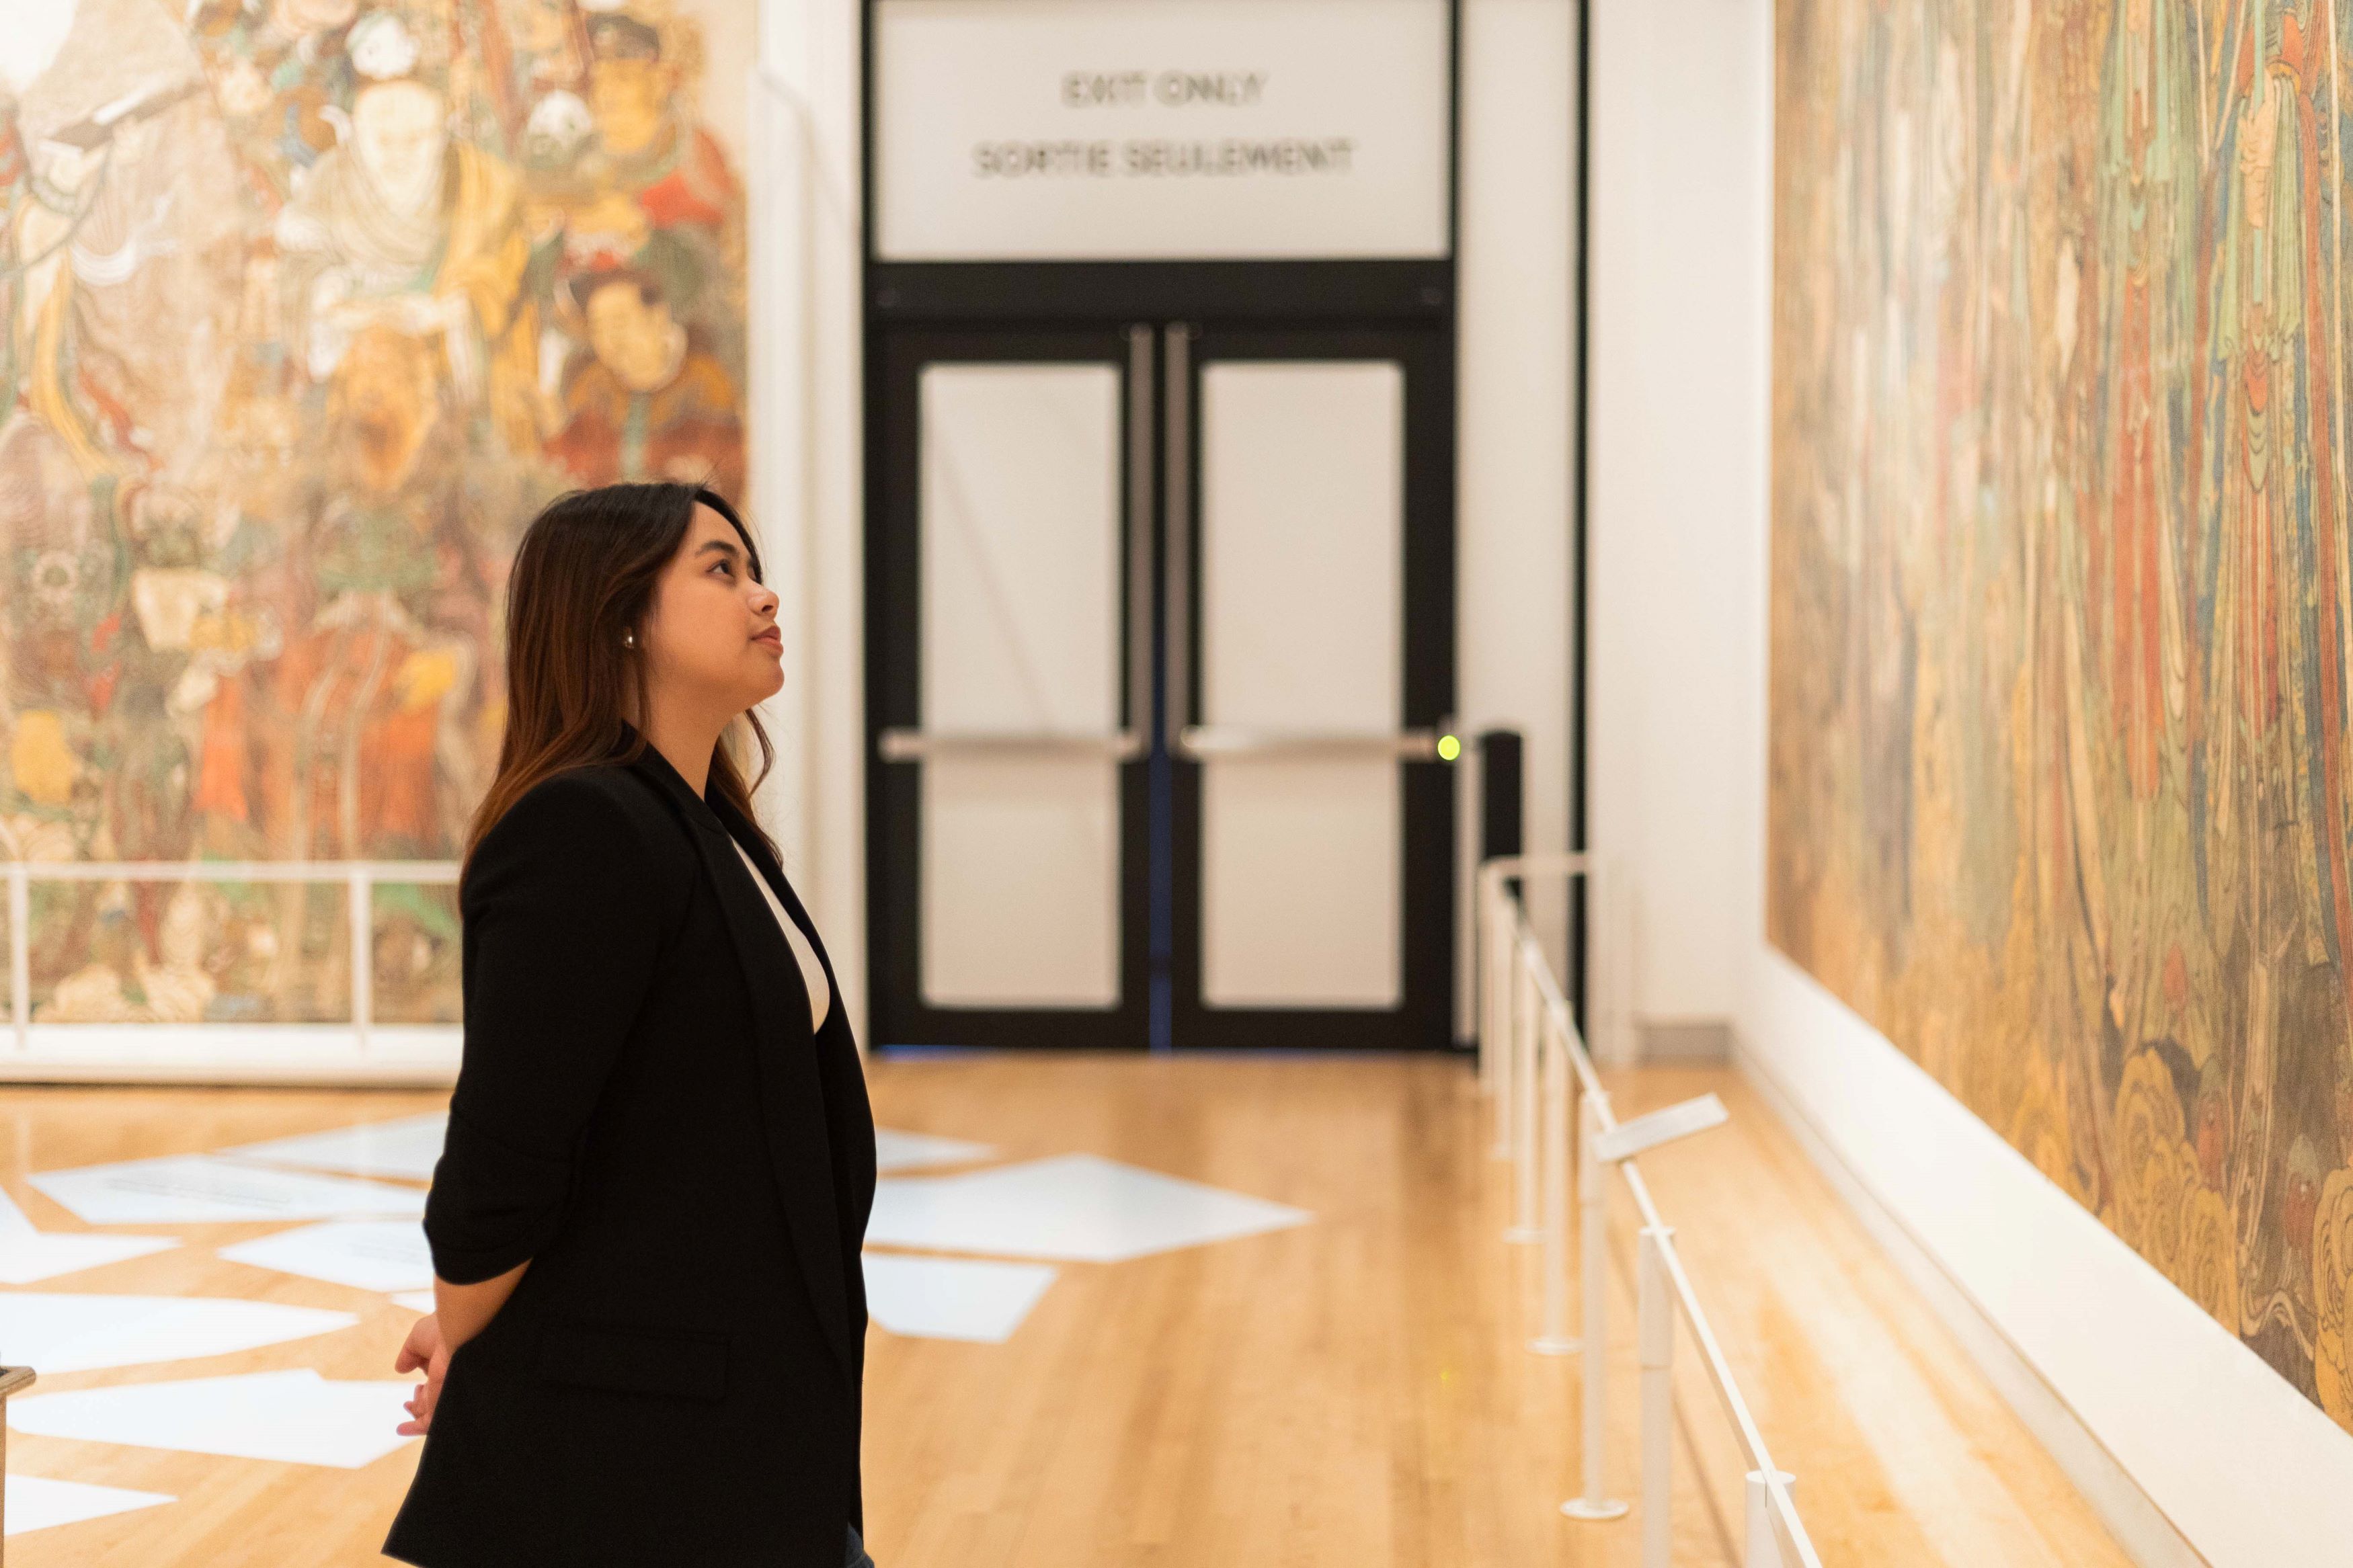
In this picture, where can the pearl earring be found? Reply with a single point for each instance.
(628, 639)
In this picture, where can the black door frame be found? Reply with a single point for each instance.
(893, 700)
(1377, 298)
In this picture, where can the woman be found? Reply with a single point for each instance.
(649, 1336)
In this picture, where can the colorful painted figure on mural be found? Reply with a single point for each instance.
(292, 336)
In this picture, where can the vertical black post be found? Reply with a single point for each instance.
(1579, 776)
(1501, 798)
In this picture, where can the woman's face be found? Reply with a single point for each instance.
(709, 637)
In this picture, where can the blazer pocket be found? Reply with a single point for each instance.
(624, 1358)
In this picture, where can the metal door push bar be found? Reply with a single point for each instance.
(917, 745)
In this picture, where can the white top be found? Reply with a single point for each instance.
(820, 991)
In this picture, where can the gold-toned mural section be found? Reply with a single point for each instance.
(2061, 584)
(142, 952)
(305, 306)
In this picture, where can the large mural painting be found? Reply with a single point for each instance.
(304, 305)
(2061, 578)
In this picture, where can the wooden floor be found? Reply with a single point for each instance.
(1354, 1391)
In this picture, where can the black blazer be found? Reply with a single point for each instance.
(643, 1112)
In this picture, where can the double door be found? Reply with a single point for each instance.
(1160, 666)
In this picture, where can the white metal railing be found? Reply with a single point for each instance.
(1534, 1062)
(360, 877)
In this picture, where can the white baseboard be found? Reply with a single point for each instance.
(1663, 1042)
(2139, 1526)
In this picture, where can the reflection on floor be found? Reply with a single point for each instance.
(29, 1256)
(407, 1148)
(34, 1502)
(1077, 1207)
(952, 1298)
(365, 1254)
(1185, 1373)
(194, 1189)
(295, 1418)
(55, 1333)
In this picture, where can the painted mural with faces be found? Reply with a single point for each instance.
(308, 304)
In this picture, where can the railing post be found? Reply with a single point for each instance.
(20, 954)
(1603, 942)
(1525, 1007)
(1617, 896)
(1553, 1337)
(1493, 1061)
(1483, 976)
(1656, 1310)
(1502, 956)
(1761, 1545)
(362, 914)
(1500, 837)
(1593, 1286)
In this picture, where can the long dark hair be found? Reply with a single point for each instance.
(584, 573)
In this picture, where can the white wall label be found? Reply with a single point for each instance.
(1161, 129)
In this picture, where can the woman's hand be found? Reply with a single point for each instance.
(423, 1349)
(461, 1311)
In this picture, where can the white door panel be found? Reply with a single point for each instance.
(1019, 473)
(1301, 522)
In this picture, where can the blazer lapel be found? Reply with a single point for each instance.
(792, 1094)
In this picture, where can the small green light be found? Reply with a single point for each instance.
(1449, 748)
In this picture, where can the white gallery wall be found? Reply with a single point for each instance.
(806, 456)
(2189, 1445)
(1513, 422)
(1680, 369)
(1514, 411)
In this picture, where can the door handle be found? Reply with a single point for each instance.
(917, 746)
(1202, 742)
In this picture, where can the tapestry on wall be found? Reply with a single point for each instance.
(305, 305)
(2061, 580)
